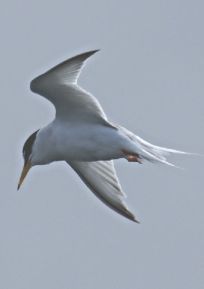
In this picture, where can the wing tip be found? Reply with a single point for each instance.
(136, 221)
(87, 54)
(82, 57)
(129, 215)
(132, 218)
(95, 50)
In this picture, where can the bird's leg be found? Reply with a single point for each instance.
(132, 157)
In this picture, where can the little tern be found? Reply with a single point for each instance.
(81, 135)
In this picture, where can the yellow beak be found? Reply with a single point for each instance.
(25, 170)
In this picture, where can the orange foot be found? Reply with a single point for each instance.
(132, 157)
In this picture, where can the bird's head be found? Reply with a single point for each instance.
(27, 154)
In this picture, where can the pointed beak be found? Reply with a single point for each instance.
(25, 170)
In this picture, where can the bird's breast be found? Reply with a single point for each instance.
(81, 143)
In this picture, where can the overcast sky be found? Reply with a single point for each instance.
(148, 76)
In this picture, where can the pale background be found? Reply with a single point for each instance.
(54, 233)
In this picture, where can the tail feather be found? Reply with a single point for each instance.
(158, 149)
(157, 153)
(151, 152)
(151, 156)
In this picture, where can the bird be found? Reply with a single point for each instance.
(81, 135)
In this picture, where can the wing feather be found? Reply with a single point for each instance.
(100, 177)
(72, 103)
(66, 72)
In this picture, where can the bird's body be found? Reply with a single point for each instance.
(82, 136)
(80, 142)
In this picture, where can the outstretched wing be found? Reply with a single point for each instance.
(72, 103)
(102, 180)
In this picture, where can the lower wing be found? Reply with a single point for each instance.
(100, 177)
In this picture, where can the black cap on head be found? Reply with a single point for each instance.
(27, 148)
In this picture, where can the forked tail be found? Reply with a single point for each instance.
(151, 152)
(156, 153)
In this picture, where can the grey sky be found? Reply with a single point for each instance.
(149, 78)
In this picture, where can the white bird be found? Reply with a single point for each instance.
(82, 136)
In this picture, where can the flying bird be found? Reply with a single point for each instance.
(81, 135)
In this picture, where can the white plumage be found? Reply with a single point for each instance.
(81, 135)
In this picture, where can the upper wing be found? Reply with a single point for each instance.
(102, 180)
(59, 85)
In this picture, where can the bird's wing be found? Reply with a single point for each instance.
(72, 103)
(100, 177)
